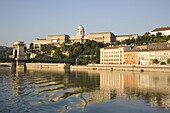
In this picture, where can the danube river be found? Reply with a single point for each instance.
(88, 91)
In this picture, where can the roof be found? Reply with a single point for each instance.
(40, 39)
(101, 33)
(123, 35)
(113, 47)
(161, 29)
(80, 27)
(58, 35)
(132, 50)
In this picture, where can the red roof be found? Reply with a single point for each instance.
(161, 29)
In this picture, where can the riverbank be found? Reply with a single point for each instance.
(158, 68)
(5, 64)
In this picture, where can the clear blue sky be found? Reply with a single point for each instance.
(26, 20)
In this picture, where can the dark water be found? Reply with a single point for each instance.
(95, 91)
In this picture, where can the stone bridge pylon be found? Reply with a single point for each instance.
(19, 56)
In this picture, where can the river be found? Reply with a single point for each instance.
(86, 91)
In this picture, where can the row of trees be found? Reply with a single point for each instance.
(156, 61)
(145, 39)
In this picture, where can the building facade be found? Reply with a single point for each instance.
(164, 31)
(146, 57)
(51, 39)
(104, 37)
(124, 37)
(112, 55)
(131, 57)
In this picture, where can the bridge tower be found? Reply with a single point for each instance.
(18, 55)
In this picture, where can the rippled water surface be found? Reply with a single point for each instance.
(90, 91)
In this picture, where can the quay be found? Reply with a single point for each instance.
(55, 66)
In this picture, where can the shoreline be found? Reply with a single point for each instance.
(125, 67)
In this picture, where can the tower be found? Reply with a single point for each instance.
(19, 56)
(18, 50)
(80, 31)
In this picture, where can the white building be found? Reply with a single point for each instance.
(112, 55)
(146, 57)
(164, 30)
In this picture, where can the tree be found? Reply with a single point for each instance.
(168, 60)
(58, 54)
(155, 61)
(31, 46)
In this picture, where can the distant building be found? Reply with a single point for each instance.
(157, 46)
(142, 47)
(164, 31)
(104, 37)
(79, 36)
(124, 37)
(146, 57)
(112, 55)
(131, 57)
(51, 39)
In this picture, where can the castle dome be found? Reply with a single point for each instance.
(80, 27)
(80, 30)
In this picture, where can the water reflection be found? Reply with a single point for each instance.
(79, 89)
(153, 87)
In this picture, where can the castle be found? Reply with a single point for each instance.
(104, 37)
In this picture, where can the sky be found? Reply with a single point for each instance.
(25, 20)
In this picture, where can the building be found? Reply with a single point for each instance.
(80, 34)
(51, 39)
(104, 37)
(142, 47)
(164, 31)
(131, 57)
(112, 55)
(146, 57)
(157, 46)
(124, 37)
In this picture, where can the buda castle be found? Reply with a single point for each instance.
(104, 37)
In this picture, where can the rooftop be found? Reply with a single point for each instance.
(113, 47)
(58, 35)
(101, 33)
(161, 29)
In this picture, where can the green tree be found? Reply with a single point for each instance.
(58, 54)
(168, 60)
(155, 61)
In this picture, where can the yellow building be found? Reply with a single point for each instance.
(51, 39)
(124, 37)
(104, 37)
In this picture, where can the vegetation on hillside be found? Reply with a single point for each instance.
(5, 52)
(145, 39)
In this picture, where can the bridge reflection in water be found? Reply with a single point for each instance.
(78, 89)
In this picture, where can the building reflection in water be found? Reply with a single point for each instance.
(152, 86)
(92, 86)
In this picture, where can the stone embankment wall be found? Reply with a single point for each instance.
(54, 66)
(162, 68)
(47, 65)
(5, 64)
